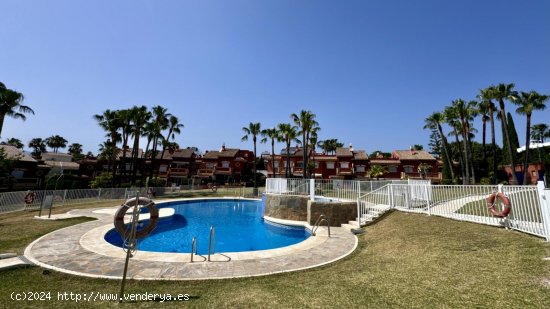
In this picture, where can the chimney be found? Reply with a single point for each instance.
(223, 147)
(350, 147)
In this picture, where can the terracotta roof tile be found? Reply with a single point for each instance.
(360, 155)
(413, 155)
(14, 153)
(343, 152)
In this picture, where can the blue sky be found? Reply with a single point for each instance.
(370, 70)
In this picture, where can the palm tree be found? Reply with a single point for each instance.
(38, 145)
(155, 127)
(10, 105)
(288, 134)
(55, 142)
(272, 134)
(254, 130)
(434, 121)
(17, 143)
(539, 132)
(108, 151)
(124, 124)
(485, 96)
(174, 127)
(377, 171)
(500, 93)
(313, 143)
(306, 123)
(528, 102)
(330, 145)
(452, 119)
(139, 117)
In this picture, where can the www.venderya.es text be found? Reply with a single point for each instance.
(96, 296)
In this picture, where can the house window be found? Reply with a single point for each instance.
(299, 164)
(276, 164)
(392, 168)
(210, 165)
(163, 168)
(344, 165)
(408, 168)
(330, 165)
(225, 164)
(360, 168)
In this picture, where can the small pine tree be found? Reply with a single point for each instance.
(435, 144)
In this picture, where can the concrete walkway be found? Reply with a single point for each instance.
(81, 250)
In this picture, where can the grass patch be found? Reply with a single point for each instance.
(403, 261)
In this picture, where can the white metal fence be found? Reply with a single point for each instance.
(15, 201)
(530, 204)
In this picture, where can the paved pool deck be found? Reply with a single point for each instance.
(81, 250)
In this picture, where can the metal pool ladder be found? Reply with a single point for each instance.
(212, 242)
(193, 248)
(318, 222)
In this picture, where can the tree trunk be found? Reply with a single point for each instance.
(527, 144)
(2, 117)
(255, 184)
(446, 149)
(493, 143)
(460, 157)
(273, 157)
(304, 155)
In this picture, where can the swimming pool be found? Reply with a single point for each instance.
(238, 225)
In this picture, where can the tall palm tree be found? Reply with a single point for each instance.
(75, 148)
(539, 132)
(10, 105)
(452, 119)
(313, 139)
(55, 142)
(528, 102)
(485, 96)
(434, 121)
(253, 129)
(158, 123)
(272, 134)
(288, 134)
(306, 123)
(124, 124)
(174, 127)
(109, 121)
(38, 145)
(108, 151)
(500, 93)
(17, 143)
(140, 116)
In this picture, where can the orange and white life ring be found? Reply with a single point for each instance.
(505, 201)
(121, 212)
(214, 189)
(30, 197)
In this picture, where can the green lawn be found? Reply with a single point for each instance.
(403, 261)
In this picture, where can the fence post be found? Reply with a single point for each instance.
(391, 194)
(99, 194)
(427, 199)
(64, 197)
(312, 189)
(358, 204)
(544, 209)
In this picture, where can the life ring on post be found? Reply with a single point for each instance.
(214, 189)
(30, 197)
(121, 212)
(505, 201)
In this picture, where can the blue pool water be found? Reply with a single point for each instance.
(238, 225)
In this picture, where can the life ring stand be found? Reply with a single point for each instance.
(30, 197)
(505, 201)
(214, 189)
(121, 212)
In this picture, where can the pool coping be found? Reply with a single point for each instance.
(81, 250)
